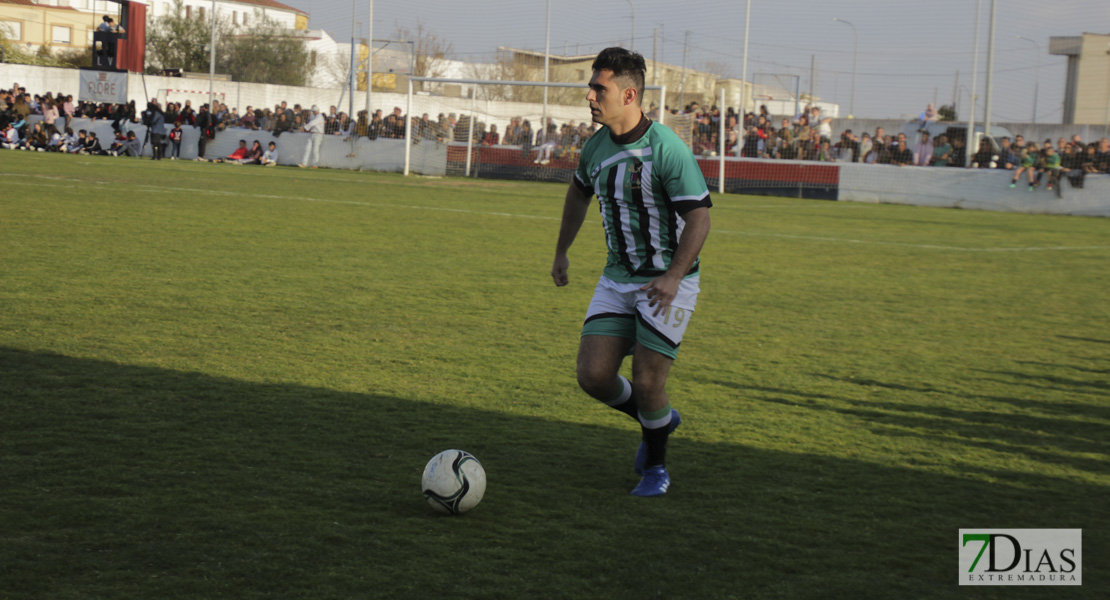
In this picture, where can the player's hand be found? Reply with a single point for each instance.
(661, 291)
(559, 270)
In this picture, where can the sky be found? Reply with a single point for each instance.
(909, 53)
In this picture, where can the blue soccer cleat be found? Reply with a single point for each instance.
(655, 482)
(641, 452)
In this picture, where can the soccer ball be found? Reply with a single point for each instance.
(454, 481)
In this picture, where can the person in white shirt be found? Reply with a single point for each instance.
(270, 158)
(315, 129)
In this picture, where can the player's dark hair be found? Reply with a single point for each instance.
(627, 66)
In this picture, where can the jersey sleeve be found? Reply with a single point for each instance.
(581, 178)
(682, 177)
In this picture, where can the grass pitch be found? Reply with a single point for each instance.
(224, 382)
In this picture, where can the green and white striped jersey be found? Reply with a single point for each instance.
(644, 186)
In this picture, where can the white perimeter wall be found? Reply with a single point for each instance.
(980, 189)
(39, 80)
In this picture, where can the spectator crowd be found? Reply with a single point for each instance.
(807, 136)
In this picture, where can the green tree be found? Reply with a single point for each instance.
(175, 41)
(263, 53)
(947, 112)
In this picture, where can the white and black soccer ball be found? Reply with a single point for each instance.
(454, 481)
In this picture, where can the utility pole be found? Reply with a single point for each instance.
(369, 63)
(955, 91)
(990, 73)
(654, 60)
(685, 51)
(212, 61)
(813, 75)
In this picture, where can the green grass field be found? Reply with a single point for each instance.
(224, 382)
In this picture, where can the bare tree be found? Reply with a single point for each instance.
(431, 51)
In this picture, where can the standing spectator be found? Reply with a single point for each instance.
(206, 128)
(984, 158)
(923, 151)
(901, 154)
(175, 141)
(491, 138)
(958, 158)
(865, 148)
(942, 152)
(49, 115)
(315, 130)
(157, 130)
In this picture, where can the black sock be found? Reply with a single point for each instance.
(656, 441)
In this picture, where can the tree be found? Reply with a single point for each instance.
(261, 53)
(431, 52)
(947, 112)
(175, 41)
(264, 53)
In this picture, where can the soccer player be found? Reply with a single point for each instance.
(655, 210)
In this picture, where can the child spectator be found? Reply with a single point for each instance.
(270, 158)
(175, 141)
(1028, 166)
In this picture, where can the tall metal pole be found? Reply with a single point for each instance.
(1037, 80)
(546, 72)
(352, 75)
(369, 65)
(212, 61)
(744, 73)
(685, 50)
(632, 38)
(855, 65)
(973, 143)
(654, 56)
(990, 72)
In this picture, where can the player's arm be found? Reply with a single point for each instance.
(575, 205)
(664, 288)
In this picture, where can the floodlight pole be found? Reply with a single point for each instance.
(855, 65)
(369, 65)
(969, 151)
(212, 61)
(546, 71)
(990, 72)
(744, 74)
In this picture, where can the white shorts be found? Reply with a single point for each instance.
(622, 310)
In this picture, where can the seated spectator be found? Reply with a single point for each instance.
(254, 156)
(930, 114)
(1102, 160)
(1050, 165)
(1028, 166)
(92, 145)
(1008, 157)
(270, 158)
(235, 157)
(35, 141)
(10, 139)
(71, 143)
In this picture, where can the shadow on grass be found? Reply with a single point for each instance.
(127, 481)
